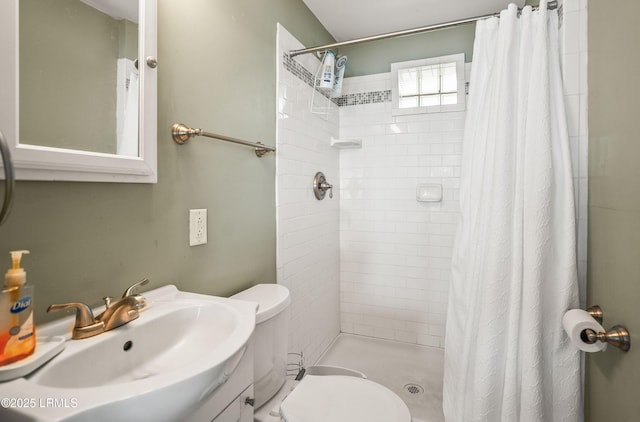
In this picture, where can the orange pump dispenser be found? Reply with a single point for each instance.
(17, 332)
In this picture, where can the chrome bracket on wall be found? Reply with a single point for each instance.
(320, 186)
(617, 336)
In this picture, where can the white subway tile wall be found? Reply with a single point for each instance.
(574, 72)
(307, 229)
(395, 252)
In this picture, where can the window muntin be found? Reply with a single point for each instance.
(428, 85)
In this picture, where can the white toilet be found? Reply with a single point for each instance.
(316, 398)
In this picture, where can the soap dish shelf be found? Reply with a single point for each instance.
(346, 143)
(46, 349)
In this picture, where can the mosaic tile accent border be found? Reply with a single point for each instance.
(297, 70)
(304, 75)
(360, 98)
(364, 98)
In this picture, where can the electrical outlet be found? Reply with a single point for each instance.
(197, 227)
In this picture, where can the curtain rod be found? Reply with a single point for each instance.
(550, 6)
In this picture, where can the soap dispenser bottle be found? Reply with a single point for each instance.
(17, 332)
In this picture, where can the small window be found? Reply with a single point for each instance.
(428, 85)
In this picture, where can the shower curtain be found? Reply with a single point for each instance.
(514, 262)
(128, 140)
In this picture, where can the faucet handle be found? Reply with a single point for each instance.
(84, 315)
(107, 301)
(86, 325)
(129, 290)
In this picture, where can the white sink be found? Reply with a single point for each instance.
(159, 367)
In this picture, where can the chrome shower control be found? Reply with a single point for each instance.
(321, 186)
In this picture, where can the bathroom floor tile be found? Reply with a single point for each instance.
(411, 371)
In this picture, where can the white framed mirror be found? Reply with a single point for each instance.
(72, 104)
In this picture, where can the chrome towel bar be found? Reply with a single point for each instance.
(181, 133)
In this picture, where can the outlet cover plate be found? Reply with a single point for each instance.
(197, 227)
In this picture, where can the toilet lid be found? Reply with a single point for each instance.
(338, 398)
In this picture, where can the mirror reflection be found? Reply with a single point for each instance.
(78, 83)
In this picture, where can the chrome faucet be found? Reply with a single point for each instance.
(117, 313)
(123, 310)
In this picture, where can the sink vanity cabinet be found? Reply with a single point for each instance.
(230, 402)
(187, 357)
(238, 410)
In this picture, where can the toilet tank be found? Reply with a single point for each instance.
(269, 338)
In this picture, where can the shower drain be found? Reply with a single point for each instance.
(413, 389)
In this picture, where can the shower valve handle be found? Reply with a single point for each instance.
(321, 186)
(324, 186)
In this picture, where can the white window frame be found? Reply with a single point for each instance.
(460, 75)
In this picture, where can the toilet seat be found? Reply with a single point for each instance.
(339, 398)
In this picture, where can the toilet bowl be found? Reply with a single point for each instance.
(338, 398)
(322, 395)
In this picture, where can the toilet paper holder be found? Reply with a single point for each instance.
(617, 336)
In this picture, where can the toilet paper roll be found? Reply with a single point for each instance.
(575, 321)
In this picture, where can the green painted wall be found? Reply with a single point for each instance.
(217, 71)
(613, 377)
(127, 39)
(77, 46)
(376, 56)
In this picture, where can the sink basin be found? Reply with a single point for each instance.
(158, 367)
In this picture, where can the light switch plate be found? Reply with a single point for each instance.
(197, 227)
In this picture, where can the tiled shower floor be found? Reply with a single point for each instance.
(395, 365)
(392, 364)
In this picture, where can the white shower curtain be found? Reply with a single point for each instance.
(514, 265)
(128, 140)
